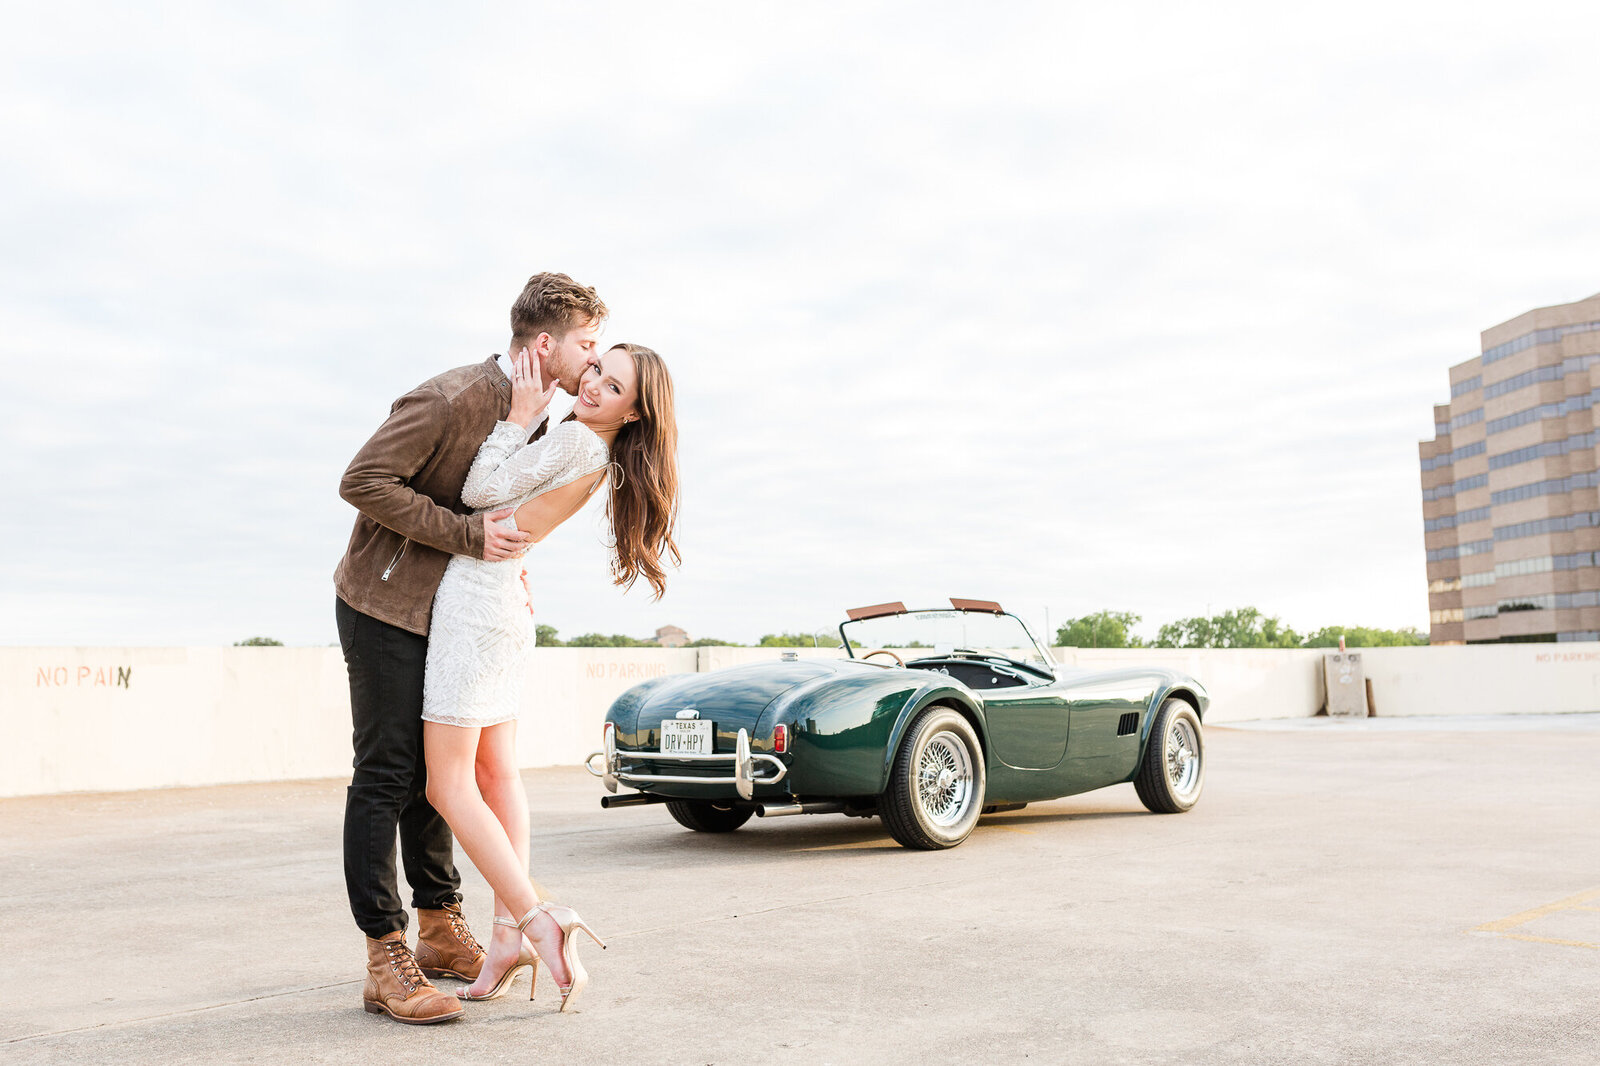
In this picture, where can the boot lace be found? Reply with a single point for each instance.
(404, 965)
(458, 925)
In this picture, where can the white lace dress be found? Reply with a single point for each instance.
(482, 616)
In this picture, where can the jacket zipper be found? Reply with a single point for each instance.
(390, 568)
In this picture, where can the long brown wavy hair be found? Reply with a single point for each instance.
(644, 508)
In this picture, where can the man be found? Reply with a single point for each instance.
(406, 482)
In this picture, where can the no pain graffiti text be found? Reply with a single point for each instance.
(83, 676)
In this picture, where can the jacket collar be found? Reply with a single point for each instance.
(495, 365)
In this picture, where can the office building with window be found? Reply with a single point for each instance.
(1510, 490)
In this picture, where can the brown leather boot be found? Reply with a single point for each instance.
(445, 946)
(396, 987)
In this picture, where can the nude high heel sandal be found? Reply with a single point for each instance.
(567, 919)
(526, 960)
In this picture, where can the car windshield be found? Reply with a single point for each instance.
(943, 632)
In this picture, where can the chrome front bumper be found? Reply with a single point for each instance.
(743, 764)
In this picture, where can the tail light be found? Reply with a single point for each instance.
(608, 733)
(780, 739)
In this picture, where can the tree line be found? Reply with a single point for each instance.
(548, 637)
(1242, 627)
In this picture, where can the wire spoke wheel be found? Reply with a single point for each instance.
(936, 782)
(1183, 756)
(944, 780)
(1173, 770)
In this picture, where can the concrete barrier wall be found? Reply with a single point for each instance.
(1484, 679)
(1243, 684)
(100, 719)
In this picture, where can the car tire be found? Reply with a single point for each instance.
(704, 816)
(1174, 767)
(936, 782)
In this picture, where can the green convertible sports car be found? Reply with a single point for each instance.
(969, 714)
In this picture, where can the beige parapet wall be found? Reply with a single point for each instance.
(102, 719)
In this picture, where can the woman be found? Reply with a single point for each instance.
(622, 429)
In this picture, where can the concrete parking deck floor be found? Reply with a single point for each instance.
(1367, 895)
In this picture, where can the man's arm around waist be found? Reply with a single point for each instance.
(377, 481)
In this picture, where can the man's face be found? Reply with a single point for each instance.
(571, 356)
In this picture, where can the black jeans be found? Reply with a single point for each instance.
(385, 664)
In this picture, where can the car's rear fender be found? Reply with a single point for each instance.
(959, 699)
(838, 730)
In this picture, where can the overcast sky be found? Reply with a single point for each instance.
(1136, 305)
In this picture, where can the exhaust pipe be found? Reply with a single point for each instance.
(637, 799)
(784, 810)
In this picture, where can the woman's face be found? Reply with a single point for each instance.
(609, 391)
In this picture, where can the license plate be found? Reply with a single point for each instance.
(685, 737)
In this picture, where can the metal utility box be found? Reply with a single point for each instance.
(1346, 684)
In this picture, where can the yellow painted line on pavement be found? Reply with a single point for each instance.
(1503, 924)
(1549, 940)
(1502, 927)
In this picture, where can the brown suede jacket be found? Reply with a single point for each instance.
(406, 482)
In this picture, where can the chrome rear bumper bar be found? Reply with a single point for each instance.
(742, 762)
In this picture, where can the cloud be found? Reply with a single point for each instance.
(1140, 307)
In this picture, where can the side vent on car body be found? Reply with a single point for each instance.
(1129, 724)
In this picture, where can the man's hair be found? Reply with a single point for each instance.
(553, 304)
